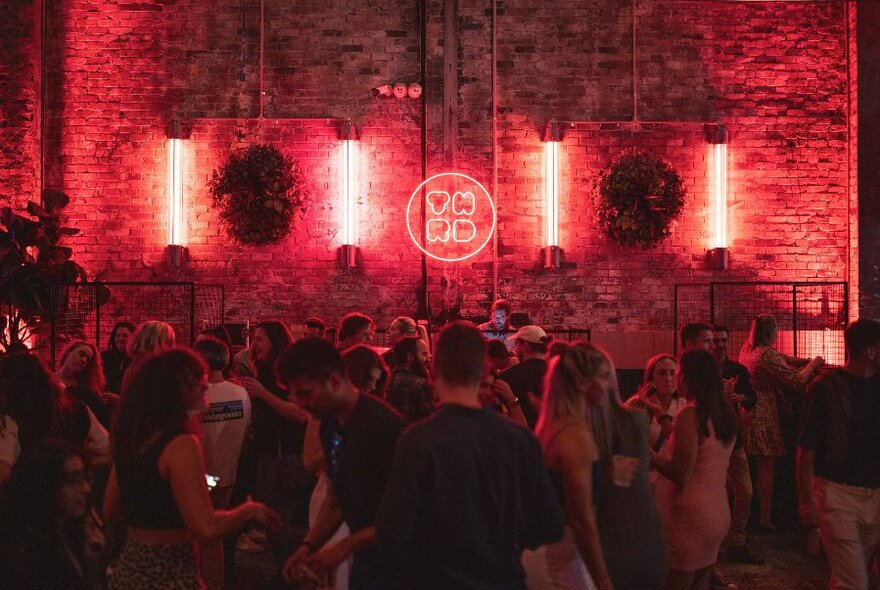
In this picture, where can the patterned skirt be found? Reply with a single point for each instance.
(762, 435)
(159, 567)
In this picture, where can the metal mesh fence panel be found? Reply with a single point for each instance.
(736, 305)
(185, 306)
(820, 319)
(810, 317)
(209, 305)
(73, 315)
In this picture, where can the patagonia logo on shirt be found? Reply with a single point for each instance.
(224, 411)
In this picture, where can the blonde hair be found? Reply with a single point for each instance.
(149, 336)
(567, 375)
(762, 333)
(408, 327)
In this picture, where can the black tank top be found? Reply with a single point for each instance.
(147, 499)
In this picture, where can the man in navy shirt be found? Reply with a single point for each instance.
(468, 489)
(839, 458)
(358, 432)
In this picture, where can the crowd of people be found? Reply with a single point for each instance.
(492, 457)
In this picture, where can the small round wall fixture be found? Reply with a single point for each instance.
(460, 217)
(637, 198)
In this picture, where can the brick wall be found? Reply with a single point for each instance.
(19, 146)
(774, 72)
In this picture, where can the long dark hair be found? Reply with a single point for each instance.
(280, 337)
(36, 480)
(156, 398)
(33, 396)
(705, 386)
(111, 344)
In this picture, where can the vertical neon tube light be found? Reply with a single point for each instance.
(176, 229)
(551, 196)
(719, 198)
(348, 184)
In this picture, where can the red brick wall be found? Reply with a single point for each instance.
(774, 72)
(19, 146)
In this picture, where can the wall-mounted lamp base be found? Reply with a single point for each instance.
(552, 257)
(176, 257)
(719, 258)
(348, 255)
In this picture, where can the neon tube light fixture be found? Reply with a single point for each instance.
(176, 229)
(176, 248)
(348, 185)
(719, 198)
(552, 253)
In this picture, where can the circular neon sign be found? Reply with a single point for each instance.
(459, 217)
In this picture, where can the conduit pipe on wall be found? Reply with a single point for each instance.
(424, 306)
(495, 143)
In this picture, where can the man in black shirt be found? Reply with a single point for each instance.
(468, 489)
(527, 378)
(839, 458)
(358, 433)
(738, 387)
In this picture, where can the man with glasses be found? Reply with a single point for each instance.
(358, 433)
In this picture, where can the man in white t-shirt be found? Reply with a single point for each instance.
(224, 424)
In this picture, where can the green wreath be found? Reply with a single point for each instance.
(638, 196)
(257, 191)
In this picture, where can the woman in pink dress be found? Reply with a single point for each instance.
(771, 373)
(691, 495)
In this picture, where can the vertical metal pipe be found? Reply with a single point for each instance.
(192, 313)
(635, 102)
(97, 286)
(262, 46)
(424, 308)
(794, 314)
(495, 143)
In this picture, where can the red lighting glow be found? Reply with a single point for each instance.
(348, 191)
(176, 227)
(719, 194)
(551, 193)
(460, 217)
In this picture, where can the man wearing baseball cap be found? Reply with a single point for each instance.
(526, 379)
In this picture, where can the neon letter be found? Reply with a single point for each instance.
(436, 198)
(463, 230)
(437, 230)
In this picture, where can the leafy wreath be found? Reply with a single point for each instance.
(638, 196)
(258, 190)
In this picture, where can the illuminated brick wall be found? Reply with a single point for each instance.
(774, 72)
(19, 144)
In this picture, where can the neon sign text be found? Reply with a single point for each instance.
(460, 217)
